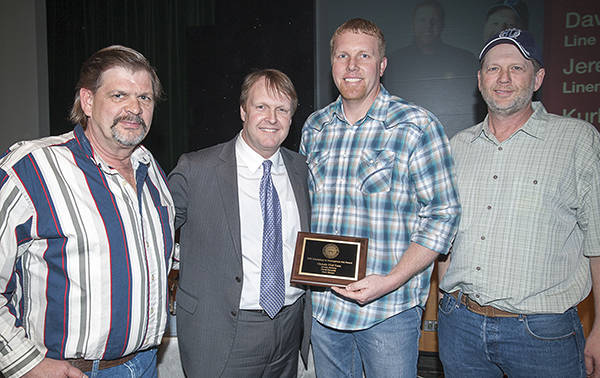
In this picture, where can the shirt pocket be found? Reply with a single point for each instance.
(317, 168)
(532, 198)
(375, 171)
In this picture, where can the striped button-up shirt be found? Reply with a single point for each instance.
(531, 214)
(387, 178)
(83, 256)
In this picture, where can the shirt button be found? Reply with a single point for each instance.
(534, 182)
(495, 177)
(499, 148)
(476, 295)
(238, 279)
(489, 207)
(233, 313)
(477, 268)
(482, 237)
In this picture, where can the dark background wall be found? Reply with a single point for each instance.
(201, 50)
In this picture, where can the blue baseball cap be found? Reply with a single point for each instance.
(522, 39)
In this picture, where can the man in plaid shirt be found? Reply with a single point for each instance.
(380, 168)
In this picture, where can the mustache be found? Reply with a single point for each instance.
(129, 117)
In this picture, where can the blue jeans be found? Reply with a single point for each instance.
(387, 349)
(473, 345)
(141, 366)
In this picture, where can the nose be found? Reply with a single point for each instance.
(504, 76)
(133, 106)
(272, 116)
(351, 64)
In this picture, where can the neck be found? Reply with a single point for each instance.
(119, 159)
(355, 110)
(503, 126)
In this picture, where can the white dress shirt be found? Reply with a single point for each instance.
(249, 174)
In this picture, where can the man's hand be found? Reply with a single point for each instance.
(368, 289)
(592, 354)
(414, 260)
(54, 369)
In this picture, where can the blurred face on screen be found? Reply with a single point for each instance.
(503, 18)
(356, 66)
(427, 25)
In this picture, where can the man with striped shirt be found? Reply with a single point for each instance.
(380, 168)
(86, 234)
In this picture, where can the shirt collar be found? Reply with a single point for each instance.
(535, 125)
(246, 156)
(378, 110)
(140, 154)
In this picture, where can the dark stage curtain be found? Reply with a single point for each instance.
(157, 29)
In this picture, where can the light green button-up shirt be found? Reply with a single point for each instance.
(531, 214)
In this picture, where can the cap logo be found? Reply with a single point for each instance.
(510, 33)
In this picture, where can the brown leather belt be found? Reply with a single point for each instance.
(87, 365)
(488, 311)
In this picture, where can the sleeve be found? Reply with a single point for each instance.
(18, 354)
(431, 169)
(178, 184)
(588, 189)
(304, 140)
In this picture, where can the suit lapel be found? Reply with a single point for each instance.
(227, 183)
(299, 184)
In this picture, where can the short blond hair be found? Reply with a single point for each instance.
(360, 25)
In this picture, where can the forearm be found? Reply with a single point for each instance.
(414, 260)
(592, 343)
(595, 268)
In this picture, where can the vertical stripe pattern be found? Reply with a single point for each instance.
(84, 257)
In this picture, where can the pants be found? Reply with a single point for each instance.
(473, 345)
(387, 349)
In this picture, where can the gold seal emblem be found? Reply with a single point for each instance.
(331, 251)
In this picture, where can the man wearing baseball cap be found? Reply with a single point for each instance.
(527, 248)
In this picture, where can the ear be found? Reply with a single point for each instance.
(539, 79)
(382, 66)
(86, 98)
(242, 113)
(479, 80)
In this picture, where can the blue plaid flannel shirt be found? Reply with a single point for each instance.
(390, 178)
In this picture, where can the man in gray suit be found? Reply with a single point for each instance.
(240, 205)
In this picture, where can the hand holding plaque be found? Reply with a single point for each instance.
(329, 260)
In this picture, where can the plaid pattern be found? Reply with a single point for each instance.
(531, 214)
(388, 178)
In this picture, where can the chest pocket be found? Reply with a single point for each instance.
(317, 168)
(375, 171)
(533, 197)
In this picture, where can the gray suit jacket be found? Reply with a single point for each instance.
(205, 192)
